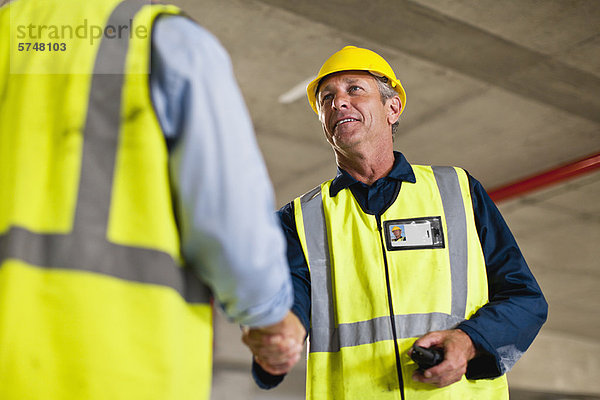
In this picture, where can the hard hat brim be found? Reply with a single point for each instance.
(311, 89)
(352, 58)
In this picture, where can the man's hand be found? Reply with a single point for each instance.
(458, 350)
(277, 347)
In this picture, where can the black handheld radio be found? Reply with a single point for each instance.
(426, 357)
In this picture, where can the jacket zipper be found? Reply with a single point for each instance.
(391, 307)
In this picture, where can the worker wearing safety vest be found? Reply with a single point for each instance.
(107, 233)
(456, 281)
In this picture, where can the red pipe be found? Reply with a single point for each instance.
(547, 178)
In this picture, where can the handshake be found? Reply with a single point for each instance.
(276, 348)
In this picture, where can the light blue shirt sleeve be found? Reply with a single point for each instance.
(223, 193)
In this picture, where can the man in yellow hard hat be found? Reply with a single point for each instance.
(397, 232)
(458, 283)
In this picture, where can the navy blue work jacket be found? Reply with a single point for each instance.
(516, 309)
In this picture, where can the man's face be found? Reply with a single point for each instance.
(351, 111)
(397, 233)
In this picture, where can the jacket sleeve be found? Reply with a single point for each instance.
(503, 329)
(301, 282)
(222, 192)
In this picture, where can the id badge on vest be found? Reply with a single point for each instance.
(414, 233)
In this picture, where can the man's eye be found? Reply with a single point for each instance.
(353, 88)
(326, 98)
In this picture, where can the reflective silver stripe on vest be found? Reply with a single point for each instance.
(325, 336)
(323, 332)
(75, 252)
(456, 221)
(102, 126)
(379, 329)
(86, 248)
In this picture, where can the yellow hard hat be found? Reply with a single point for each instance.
(396, 228)
(352, 58)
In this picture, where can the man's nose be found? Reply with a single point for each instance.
(340, 101)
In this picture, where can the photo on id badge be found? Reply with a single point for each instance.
(416, 233)
(397, 234)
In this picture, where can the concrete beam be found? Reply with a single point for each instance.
(428, 34)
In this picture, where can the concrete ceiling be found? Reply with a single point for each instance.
(503, 88)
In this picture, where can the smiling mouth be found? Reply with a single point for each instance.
(343, 121)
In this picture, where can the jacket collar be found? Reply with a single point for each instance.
(401, 171)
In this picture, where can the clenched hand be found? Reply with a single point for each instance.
(276, 348)
(458, 350)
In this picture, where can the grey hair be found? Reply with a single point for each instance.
(386, 91)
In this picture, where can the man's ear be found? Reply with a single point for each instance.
(394, 106)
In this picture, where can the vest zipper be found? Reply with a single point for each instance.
(391, 307)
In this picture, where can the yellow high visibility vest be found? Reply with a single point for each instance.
(94, 300)
(374, 293)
